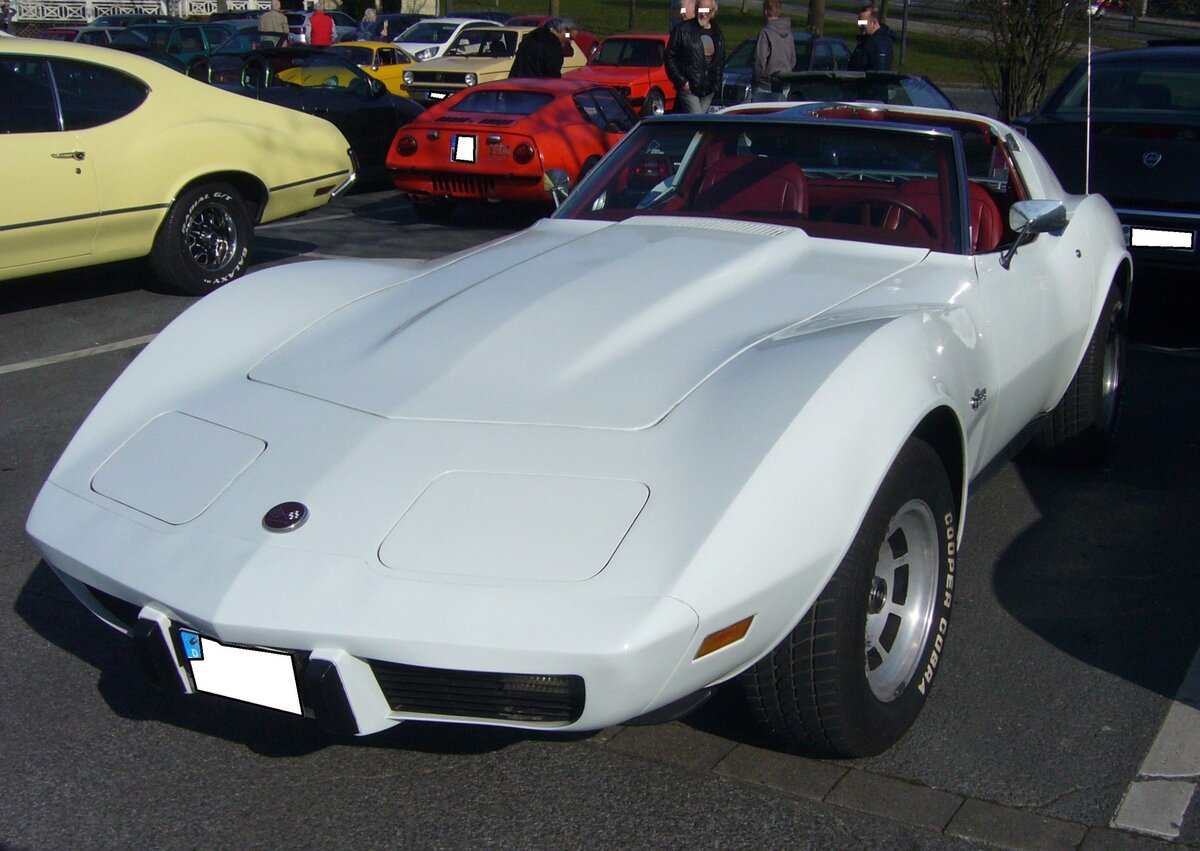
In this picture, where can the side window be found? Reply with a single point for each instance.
(186, 40)
(216, 35)
(91, 95)
(841, 56)
(601, 108)
(822, 58)
(26, 97)
(386, 56)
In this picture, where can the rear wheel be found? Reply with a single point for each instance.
(851, 678)
(1081, 428)
(654, 104)
(204, 241)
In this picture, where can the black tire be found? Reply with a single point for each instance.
(204, 241)
(198, 68)
(436, 211)
(256, 73)
(654, 104)
(819, 691)
(1081, 428)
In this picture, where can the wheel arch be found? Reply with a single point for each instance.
(943, 432)
(251, 189)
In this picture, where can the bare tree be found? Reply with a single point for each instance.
(1018, 44)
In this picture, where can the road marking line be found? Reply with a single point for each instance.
(77, 354)
(1155, 807)
(1158, 803)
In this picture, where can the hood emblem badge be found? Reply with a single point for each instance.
(285, 517)
(1151, 158)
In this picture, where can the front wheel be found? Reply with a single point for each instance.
(1081, 428)
(853, 675)
(204, 241)
(654, 104)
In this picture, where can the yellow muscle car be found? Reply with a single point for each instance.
(111, 156)
(385, 62)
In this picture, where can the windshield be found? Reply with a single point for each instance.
(426, 33)
(630, 53)
(1173, 86)
(878, 185)
(742, 58)
(355, 55)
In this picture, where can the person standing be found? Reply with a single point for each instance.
(775, 51)
(370, 28)
(319, 27)
(540, 53)
(695, 59)
(686, 11)
(7, 13)
(874, 49)
(274, 22)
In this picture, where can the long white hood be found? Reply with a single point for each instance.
(590, 324)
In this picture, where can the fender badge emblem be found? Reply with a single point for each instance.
(1151, 159)
(285, 517)
(978, 398)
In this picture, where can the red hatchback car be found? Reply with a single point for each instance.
(511, 140)
(633, 65)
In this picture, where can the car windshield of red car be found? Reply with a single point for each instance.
(630, 53)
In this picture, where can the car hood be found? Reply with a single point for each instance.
(575, 323)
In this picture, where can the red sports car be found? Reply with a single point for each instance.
(633, 65)
(511, 140)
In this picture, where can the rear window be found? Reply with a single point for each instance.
(503, 102)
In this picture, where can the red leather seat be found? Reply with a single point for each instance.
(924, 195)
(747, 185)
(987, 226)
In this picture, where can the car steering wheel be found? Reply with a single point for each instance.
(865, 205)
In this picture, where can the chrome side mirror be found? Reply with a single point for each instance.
(1029, 218)
(558, 184)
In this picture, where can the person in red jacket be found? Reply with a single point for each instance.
(319, 28)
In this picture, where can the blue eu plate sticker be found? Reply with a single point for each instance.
(191, 644)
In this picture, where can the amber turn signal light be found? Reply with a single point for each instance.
(724, 637)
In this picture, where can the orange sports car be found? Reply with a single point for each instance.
(511, 140)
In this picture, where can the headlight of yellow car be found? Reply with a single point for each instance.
(471, 79)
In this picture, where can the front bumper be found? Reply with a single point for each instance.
(353, 628)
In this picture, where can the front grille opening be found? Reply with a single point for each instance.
(126, 613)
(543, 698)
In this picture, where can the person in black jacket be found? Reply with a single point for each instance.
(696, 59)
(874, 49)
(540, 53)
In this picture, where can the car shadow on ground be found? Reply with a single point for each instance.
(55, 615)
(1108, 573)
(40, 291)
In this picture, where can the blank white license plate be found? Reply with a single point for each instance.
(262, 677)
(1183, 240)
(438, 95)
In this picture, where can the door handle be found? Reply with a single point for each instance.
(69, 155)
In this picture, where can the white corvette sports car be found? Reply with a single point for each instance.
(717, 417)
